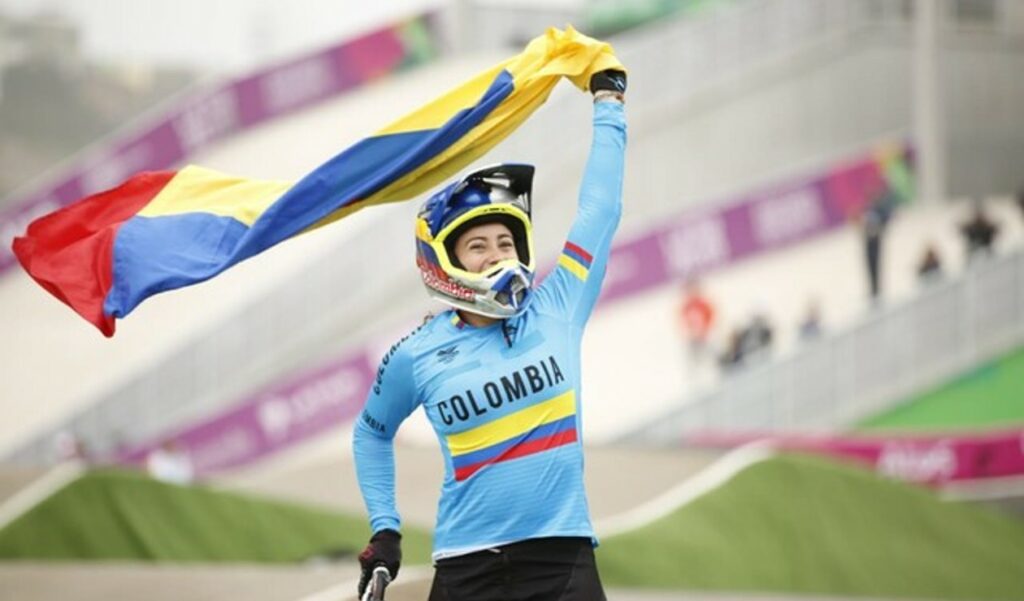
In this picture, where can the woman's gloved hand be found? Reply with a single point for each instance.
(385, 549)
(610, 82)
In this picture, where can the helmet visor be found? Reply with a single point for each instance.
(499, 184)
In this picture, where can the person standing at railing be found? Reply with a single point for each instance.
(731, 357)
(697, 316)
(498, 376)
(757, 338)
(810, 326)
(874, 221)
(929, 269)
(979, 233)
(1020, 200)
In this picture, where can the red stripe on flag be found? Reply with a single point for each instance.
(522, 450)
(69, 252)
(579, 251)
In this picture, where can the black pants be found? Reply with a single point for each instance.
(540, 569)
(873, 254)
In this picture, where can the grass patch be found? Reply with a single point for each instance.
(801, 524)
(792, 524)
(990, 396)
(121, 515)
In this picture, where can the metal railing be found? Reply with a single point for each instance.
(890, 356)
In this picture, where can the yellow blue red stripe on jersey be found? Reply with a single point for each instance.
(540, 427)
(457, 321)
(576, 260)
(107, 253)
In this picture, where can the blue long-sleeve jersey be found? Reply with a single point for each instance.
(507, 414)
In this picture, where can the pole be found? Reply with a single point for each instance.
(927, 110)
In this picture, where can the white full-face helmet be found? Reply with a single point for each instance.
(496, 194)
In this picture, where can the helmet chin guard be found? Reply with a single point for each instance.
(500, 193)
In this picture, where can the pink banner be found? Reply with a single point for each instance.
(273, 419)
(926, 459)
(696, 242)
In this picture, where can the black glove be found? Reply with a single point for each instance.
(385, 549)
(609, 79)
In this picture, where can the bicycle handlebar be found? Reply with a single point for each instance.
(379, 581)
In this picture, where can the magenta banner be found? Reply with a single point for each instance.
(273, 419)
(701, 241)
(215, 113)
(925, 459)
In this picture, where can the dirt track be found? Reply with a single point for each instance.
(29, 581)
(131, 582)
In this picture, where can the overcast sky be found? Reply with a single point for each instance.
(221, 35)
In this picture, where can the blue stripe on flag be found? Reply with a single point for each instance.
(154, 254)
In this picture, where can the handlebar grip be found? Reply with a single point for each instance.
(379, 581)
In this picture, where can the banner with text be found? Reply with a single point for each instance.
(273, 419)
(925, 459)
(699, 241)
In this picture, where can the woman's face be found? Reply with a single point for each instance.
(483, 246)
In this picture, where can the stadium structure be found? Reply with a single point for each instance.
(760, 131)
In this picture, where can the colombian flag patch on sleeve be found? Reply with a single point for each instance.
(576, 260)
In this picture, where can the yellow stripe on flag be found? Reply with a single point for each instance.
(441, 109)
(535, 72)
(200, 190)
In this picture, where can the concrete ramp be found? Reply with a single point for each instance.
(15, 478)
(88, 582)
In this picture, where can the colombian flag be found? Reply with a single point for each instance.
(158, 231)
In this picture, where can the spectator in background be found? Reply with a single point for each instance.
(748, 345)
(810, 326)
(929, 270)
(1020, 200)
(756, 339)
(68, 447)
(979, 234)
(732, 357)
(171, 464)
(697, 315)
(873, 221)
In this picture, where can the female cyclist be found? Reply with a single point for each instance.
(499, 378)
